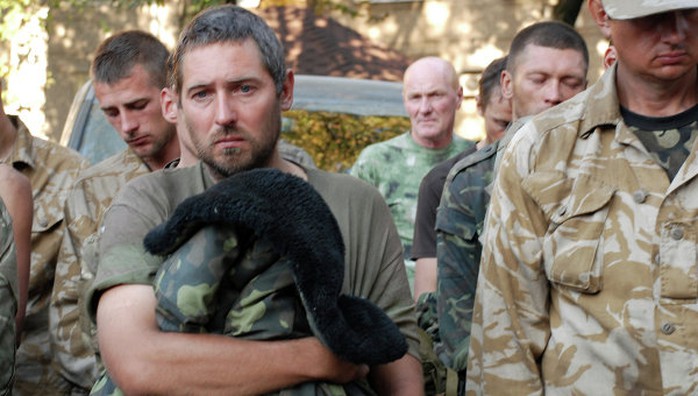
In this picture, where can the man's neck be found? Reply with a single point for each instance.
(168, 154)
(657, 98)
(435, 143)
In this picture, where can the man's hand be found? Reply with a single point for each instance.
(330, 367)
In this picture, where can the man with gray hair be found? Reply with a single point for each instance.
(231, 85)
(589, 268)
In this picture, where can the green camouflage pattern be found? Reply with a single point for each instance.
(8, 302)
(225, 281)
(589, 266)
(433, 370)
(396, 168)
(72, 334)
(52, 170)
(459, 222)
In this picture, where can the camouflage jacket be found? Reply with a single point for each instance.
(52, 169)
(8, 302)
(396, 167)
(459, 221)
(589, 269)
(71, 336)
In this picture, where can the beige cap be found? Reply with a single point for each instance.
(629, 9)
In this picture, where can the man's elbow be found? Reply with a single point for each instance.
(134, 378)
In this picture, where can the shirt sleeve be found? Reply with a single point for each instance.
(424, 242)
(458, 256)
(510, 325)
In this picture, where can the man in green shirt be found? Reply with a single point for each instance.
(432, 95)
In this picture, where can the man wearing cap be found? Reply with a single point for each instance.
(589, 274)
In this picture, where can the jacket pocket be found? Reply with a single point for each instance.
(576, 210)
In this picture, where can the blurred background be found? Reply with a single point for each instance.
(46, 46)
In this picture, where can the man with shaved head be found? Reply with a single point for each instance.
(432, 95)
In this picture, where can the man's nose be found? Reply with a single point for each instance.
(425, 105)
(226, 110)
(674, 26)
(129, 123)
(553, 92)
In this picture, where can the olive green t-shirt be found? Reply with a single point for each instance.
(373, 259)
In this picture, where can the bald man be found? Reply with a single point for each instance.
(432, 95)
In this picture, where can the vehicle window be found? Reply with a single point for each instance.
(99, 139)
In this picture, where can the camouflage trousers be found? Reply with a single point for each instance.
(438, 379)
(226, 281)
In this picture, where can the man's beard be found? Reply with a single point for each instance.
(259, 154)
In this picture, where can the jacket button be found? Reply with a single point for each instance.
(640, 196)
(677, 233)
(668, 328)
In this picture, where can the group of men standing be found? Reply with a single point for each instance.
(565, 248)
(580, 270)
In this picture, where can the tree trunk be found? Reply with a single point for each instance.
(567, 11)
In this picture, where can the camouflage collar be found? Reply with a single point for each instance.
(602, 107)
(22, 153)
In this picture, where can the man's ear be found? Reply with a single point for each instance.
(460, 96)
(600, 17)
(286, 96)
(505, 82)
(480, 106)
(168, 104)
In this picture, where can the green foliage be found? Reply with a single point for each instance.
(335, 140)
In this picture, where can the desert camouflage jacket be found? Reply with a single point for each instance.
(8, 302)
(52, 170)
(71, 332)
(589, 269)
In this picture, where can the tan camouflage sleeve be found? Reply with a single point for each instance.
(72, 353)
(510, 323)
(8, 301)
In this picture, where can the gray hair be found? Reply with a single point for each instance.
(224, 24)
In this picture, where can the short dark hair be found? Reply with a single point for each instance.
(228, 23)
(116, 56)
(490, 80)
(550, 34)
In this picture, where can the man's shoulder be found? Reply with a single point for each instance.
(54, 154)
(461, 144)
(339, 181)
(120, 165)
(170, 177)
(166, 185)
(477, 162)
(395, 143)
(101, 182)
(437, 175)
